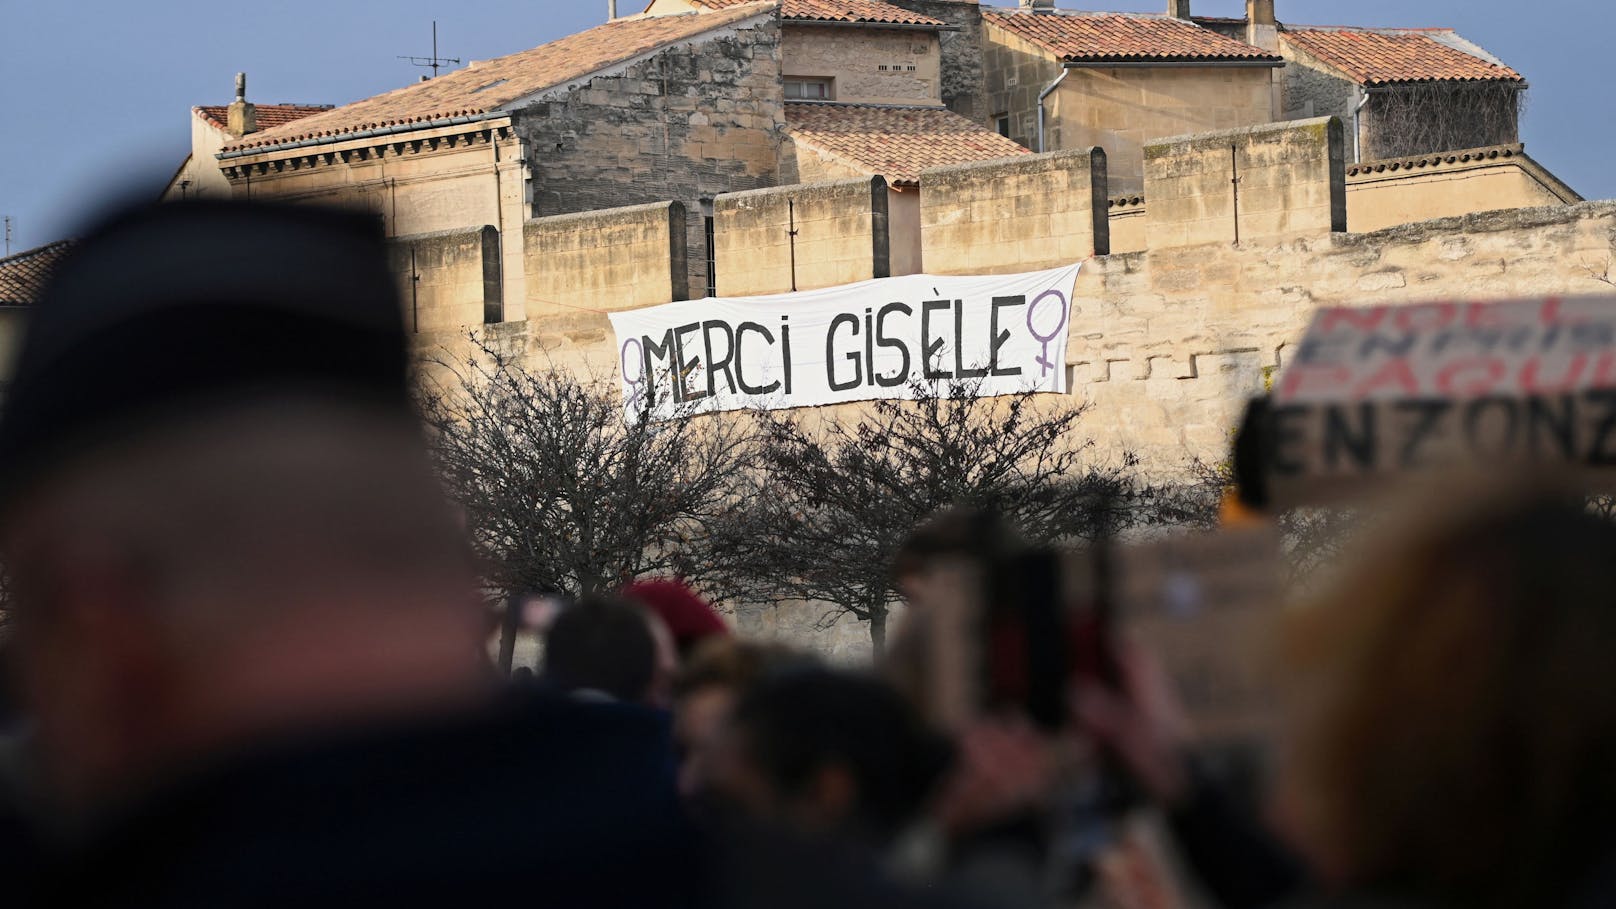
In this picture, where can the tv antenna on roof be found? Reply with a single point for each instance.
(433, 62)
(8, 234)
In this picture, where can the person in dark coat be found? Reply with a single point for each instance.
(248, 628)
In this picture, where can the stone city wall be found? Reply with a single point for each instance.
(1246, 185)
(449, 279)
(620, 258)
(1015, 214)
(841, 237)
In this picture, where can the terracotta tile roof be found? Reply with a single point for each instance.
(1380, 57)
(1123, 37)
(488, 85)
(270, 116)
(23, 275)
(866, 11)
(896, 142)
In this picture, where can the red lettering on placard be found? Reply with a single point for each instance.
(1471, 377)
(1605, 370)
(1533, 381)
(1362, 319)
(1552, 312)
(1395, 374)
(1425, 318)
(1486, 315)
(1299, 377)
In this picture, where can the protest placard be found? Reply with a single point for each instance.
(1376, 392)
(1208, 606)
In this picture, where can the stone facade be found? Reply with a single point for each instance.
(962, 67)
(1119, 109)
(1018, 214)
(1170, 343)
(841, 237)
(690, 123)
(424, 182)
(866, 65)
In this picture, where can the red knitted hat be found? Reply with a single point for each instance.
(688, 616)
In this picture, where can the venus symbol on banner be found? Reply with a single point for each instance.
(1052, 333)
(634, 376)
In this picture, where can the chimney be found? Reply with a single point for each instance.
(1038, 6)
(611, 10)
(1178, 9)
(1262, 28)
(242, 117)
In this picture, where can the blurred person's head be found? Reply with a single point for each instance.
(691, 620)
(823, 752)
(221, 520)
(1455, 723)
(705, 692)
(609, 647)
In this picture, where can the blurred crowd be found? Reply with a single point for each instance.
(248, 664)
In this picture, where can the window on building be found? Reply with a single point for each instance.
(1003, 121)
(809, 90)
(712, 248)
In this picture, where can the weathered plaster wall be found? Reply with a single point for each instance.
(1014, 72)
(869, 66)
(962, 88)
(1127, 223)
(1015, 214)
(842, 236)
(690, 123)
(620, 258)
(1291, 179)
(1383, 194)
(1125, 110)
(903, 230)
(1120, 109)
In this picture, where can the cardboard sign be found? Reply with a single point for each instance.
(1382, 391)
(1204, 604)
(1207, 605)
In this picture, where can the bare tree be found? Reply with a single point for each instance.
(836, 496)
(562, 493)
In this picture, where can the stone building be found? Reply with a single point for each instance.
(687, 101)
(22, 278)
(215, 126)
(1405, 91)
(1059, 80)
(749, 148)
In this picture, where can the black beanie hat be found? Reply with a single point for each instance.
(167, 310)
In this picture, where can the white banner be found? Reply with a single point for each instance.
(857, 342)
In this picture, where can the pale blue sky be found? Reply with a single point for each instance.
(95, 94)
